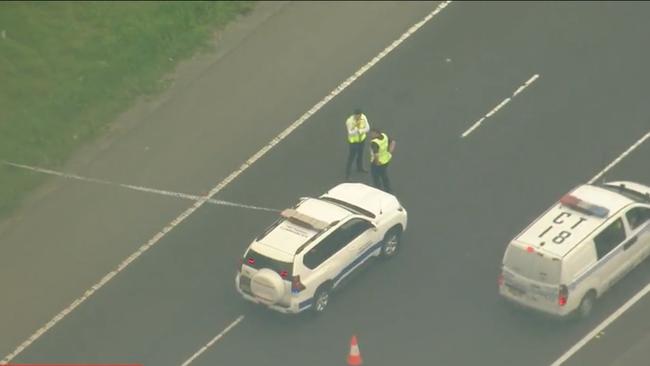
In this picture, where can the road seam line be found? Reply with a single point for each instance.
(186, 196)
(489, 114)
(221, 185)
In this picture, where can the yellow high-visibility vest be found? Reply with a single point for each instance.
(383, 155)
(357, 138)
(360, 137)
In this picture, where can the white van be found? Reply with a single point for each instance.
(578, 248)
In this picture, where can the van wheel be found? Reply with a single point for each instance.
(586, 305)
(321, 299)
(391, 244)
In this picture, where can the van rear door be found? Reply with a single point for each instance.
(531, 275)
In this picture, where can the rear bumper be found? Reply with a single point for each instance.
(553, 312)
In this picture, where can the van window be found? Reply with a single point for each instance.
(610, 238)
(534, 266)
(637, 216)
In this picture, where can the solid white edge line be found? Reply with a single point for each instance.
(213, 341)
(620, 157)
(602, 326)
(221, 185)
(186, 196)
(500, 105)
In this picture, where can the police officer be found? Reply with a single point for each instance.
(357, 126)
(381, 149)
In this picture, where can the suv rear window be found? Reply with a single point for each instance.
(259, 261)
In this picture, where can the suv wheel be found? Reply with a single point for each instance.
(391, 243)
(586, 305)
(321, 299)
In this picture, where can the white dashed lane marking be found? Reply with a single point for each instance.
(503, 103)
(213, 341)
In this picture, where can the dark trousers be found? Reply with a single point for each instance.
(355, 152)
(380, 177)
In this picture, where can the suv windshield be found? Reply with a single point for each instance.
(259, 261)
(348, 206)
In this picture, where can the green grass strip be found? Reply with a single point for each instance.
(67, 69)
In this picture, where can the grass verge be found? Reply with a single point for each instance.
(67, 69)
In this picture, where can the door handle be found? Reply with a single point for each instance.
(629, 242)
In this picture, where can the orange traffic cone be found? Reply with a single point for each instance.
(354, 358)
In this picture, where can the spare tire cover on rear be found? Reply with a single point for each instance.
(267, 285)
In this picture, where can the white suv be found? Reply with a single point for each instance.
(296, 263)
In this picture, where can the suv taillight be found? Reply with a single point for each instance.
(241, 263)
(563, 295)
(296, 285)
(500, 280)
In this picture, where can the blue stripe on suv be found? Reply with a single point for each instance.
(358, 260)
(307, 303)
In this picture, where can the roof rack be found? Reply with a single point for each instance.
(621, 188)
(305, 220)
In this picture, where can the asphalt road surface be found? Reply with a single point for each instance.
(436, 303)
(624, 342)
